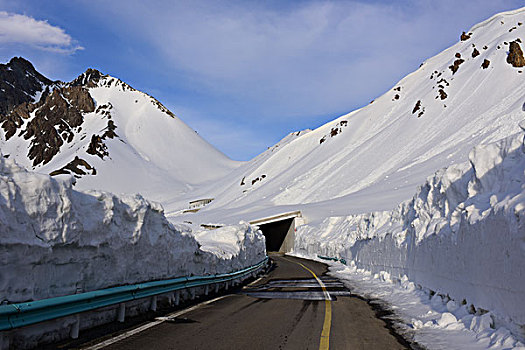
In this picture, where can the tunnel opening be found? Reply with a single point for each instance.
(279, 235)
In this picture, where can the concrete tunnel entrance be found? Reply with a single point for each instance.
(276, 234)
(279, 231)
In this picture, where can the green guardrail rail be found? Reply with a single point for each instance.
(24, 314)
(341, 260)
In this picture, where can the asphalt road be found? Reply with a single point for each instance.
(286, 309)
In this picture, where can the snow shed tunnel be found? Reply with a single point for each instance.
(279, 231)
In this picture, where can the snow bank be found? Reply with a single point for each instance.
(242, 242)
(58, 241)
(461, 235)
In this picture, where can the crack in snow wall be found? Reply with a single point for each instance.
(462, 234)
(57, 241)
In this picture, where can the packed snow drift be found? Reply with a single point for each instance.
(57, 241)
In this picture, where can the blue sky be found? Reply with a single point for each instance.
(242, 73)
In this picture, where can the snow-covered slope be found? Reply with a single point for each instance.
(111, 137)
(373, 158)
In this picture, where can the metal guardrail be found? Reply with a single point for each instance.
(24, 314)
(341, 260)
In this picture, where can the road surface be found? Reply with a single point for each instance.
(295, 306)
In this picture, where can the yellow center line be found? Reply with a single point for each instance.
(325, 334)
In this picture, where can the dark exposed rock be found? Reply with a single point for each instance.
(88, 79)
(322, 140)
(485, 64)
(55, 121)
(397, 88)
(396, 97)
(97, 147)
(19, 82)
(334, 132)
(15, 119)
(464, 36)
(511, 29)
(242, 181)
(515, 56)
(105, 110)
(443, 80)
(454, 67)
(458, 55)
(475, 53)
(110, 130)
(442, 94)
(485, 47)
(73, 167)
(416, 107)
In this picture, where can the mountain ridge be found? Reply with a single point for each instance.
(79, 128)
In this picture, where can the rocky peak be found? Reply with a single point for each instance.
(89, 78)
(20, 63)
(19, 83)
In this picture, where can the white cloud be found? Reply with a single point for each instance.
(25, 30)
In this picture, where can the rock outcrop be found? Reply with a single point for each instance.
(515, 56)
(19, 83)
(56, 121)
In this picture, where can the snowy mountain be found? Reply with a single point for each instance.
(102, 131)
(373, 158)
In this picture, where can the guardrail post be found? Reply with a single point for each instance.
(226, 285)
(206, 290)
(153, 305)
(216, 287)
(177, 297)
(75, 327)
(192, 292)
(121, 312)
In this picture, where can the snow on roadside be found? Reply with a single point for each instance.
(241, 242)
(57, 241)
(462, 235)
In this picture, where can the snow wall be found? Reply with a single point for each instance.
(57, 241)
(462, 234)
